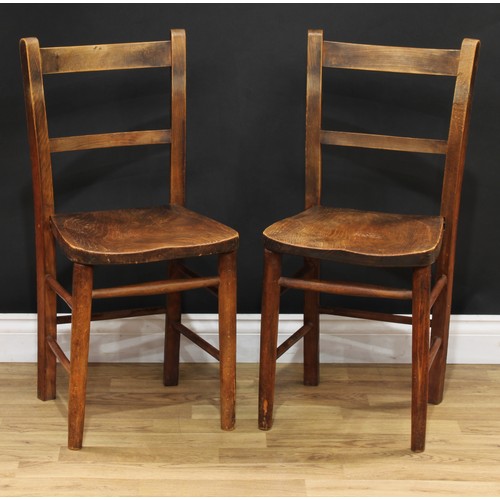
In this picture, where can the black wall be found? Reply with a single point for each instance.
(246, 115)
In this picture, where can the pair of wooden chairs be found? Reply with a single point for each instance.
(173, 233)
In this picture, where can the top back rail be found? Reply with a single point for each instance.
(117, 56)
(436, 62)
(109, 57)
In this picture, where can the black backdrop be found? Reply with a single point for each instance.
(246, 114)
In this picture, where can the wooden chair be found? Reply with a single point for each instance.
(372, 238)
(127, 236)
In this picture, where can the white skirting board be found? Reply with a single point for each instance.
(473, 339)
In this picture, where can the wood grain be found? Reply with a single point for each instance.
(390, 59)
(140, 235)
(105, 57)
(369, 238)
(330, 442)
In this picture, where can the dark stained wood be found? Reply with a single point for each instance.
(373, 238)
(155, 287)
(43, 201)
(172, 333)
(311, 318)
(420, 355)
(269, 337)
(178, 125)
(189, 273)
(347, 288)
(140, 235)
(388, 142)
(438, 288)
(112, 140)
(106, 57)
(293, 339)
(436, 344)
(369, 238)
(390, 59)
(373, 315)
(313, 118)
(227, 339)
(60, 290)
(128, 236)
(122, 313)
(59, 353)
(196, 339)
(80, 332)
(450, 207)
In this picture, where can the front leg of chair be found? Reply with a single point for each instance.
(269, 337)
(227, 338)
(80, 331)
(172, 335)
(420, 355)
(311, 317)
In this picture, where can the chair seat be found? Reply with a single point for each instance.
(357, 237)
(140, 235)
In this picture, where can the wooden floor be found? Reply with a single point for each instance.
(347, 437)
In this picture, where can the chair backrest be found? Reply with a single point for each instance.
(460, 64)
(37, 62)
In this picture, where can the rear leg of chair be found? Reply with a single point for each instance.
(420, 355)
(80, 331)
(47, 328)
(269, 337)
(311, 317)
(227, 338)
(440, 329)
(172, 335)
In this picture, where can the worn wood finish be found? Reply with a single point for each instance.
(155, 287)
(390, 59)
(141, 235)
(105, 57)
(388, 142)
(373, 238)
(369, 238)
(196, 339)
(420, 355)
(347, 288)
(269, 337)
(227, 339)
(450, 206)
(172, 334)
(293, 339)
(112, 140)
(313, 118)
(80, 333)
(128, 236)
(311, 318)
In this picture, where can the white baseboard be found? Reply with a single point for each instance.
(473, 339)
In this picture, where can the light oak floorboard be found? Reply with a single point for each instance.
(347, 437)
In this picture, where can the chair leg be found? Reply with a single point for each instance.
(440, 329)
(80, 330)
(172, 336)
(47, 328)
(311, 316)
(227, 339)
(269, 337)
(420, 355)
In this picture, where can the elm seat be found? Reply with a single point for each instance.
(140, 235)
(347, 235)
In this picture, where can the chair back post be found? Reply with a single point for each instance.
(38, 137)
(178, 125)
(455, 157)
(313, 117)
